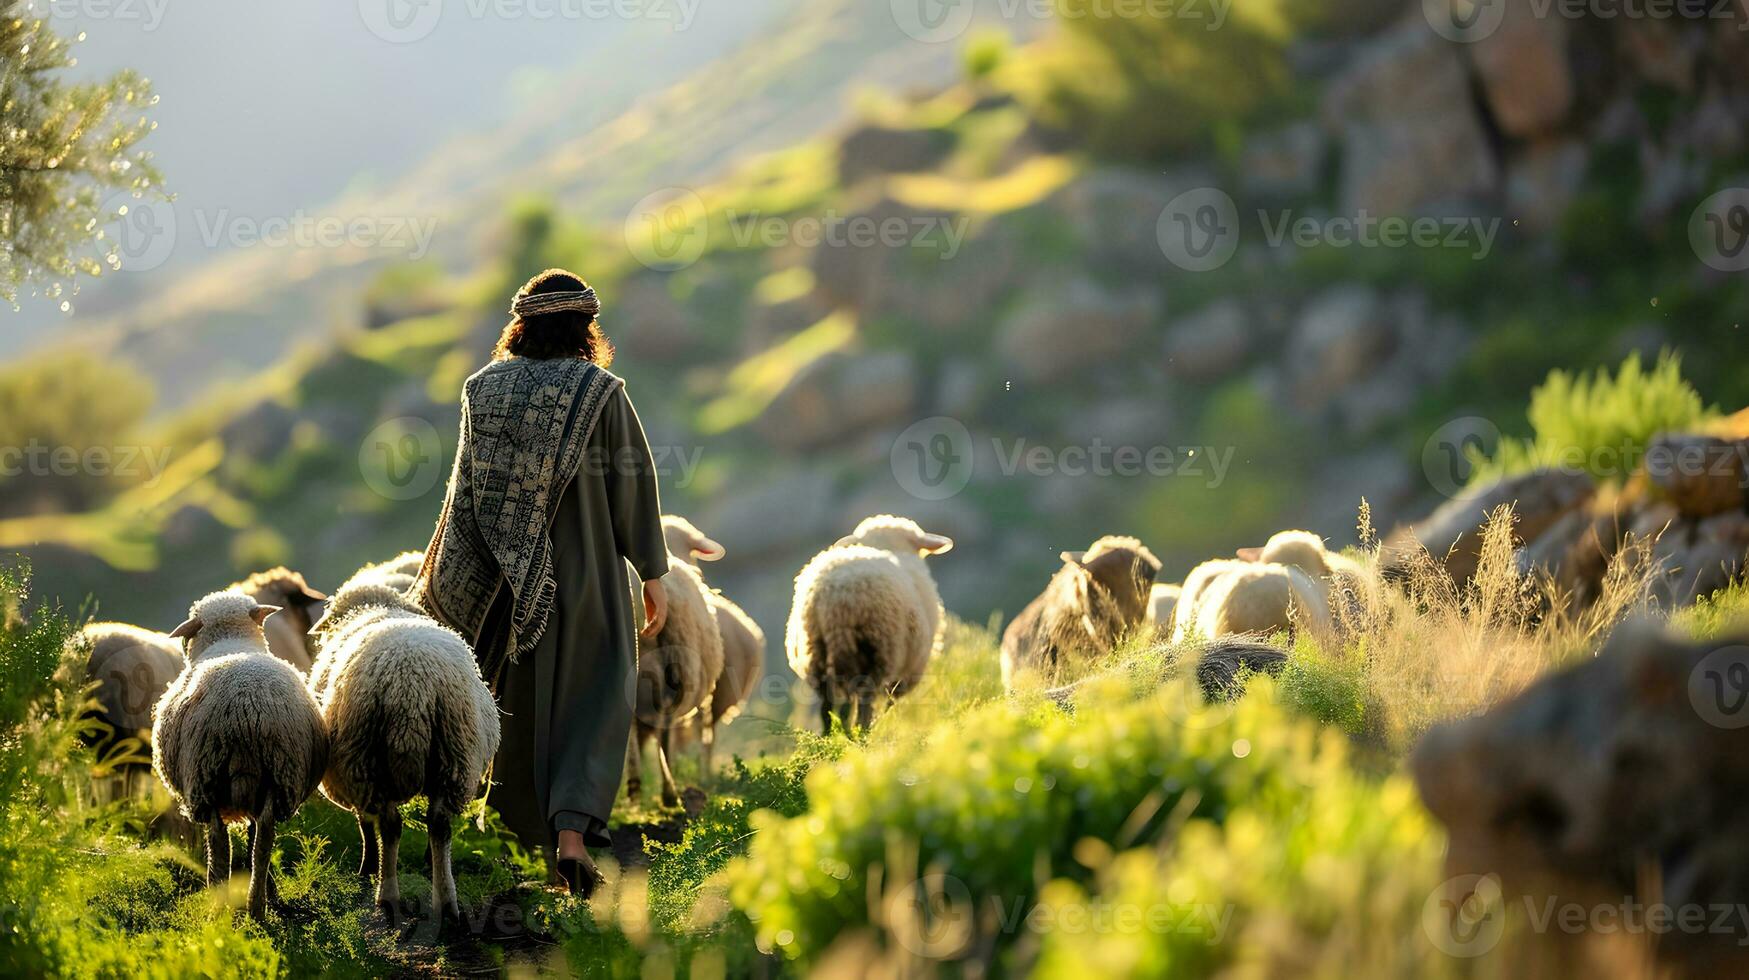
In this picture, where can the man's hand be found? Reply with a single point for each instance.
(655, 609)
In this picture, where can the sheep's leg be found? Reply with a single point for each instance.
(635, 765)
(443, 896)
(388, 874)
(864, 711)
(218, 853)
(670, 792)
(260, 862)
(707, 740)
(367, 832)
(825, 713)
(272, 882)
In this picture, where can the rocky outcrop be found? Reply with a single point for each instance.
(1619, 780)
(1453, 533)
(872, 149)
(1524, 70)
(1209, 344)
(1072, 326)
(838, 396)
(1410, 135)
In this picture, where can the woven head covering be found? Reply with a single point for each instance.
(581, 301)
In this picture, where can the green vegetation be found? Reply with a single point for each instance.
(63, 149)
(69, 414)
(1599, 422)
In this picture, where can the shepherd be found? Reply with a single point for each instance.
(553, 495)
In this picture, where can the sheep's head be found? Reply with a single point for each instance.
(362, 591)
(688, 543)
(1301, 549)
(222, 616)
(287, 589)
(669, 685)
(899, 535)
(1116, 574)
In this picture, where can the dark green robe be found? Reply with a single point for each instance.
(568, 703)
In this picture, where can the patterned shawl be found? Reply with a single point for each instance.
(525, 424)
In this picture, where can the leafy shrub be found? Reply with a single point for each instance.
(1598, 421)
(1333, 885)
(995, 803)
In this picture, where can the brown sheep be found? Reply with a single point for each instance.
(1095, 599)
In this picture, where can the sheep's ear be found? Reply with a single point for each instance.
(934, 544)
(846, 541)
(704, 549)
(309, 597)
(260, 613)
(1072, 557)
(187, 629)
(1250, 554)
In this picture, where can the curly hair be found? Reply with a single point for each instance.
(567, 333)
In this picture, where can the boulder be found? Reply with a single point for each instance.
(1341, 338)
(1209, 344)
(1358, 359)
(1408, 127)
(260, 432)
(1453, 532)
(872, 149)
(1544, 181)
(1701, 475)
(1115, 213)
(792, 511)
(646, 323)
(840, 395)
(925, 281)
(1285, 163)
(1629, 760)
(1073, 326)
(1524, 70)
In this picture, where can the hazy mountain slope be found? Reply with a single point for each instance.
(588, 141)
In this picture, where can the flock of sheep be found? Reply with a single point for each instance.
(272, 690)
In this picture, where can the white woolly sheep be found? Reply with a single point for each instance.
(677, 674)
(237, 736)
(1258, 598)
(866, 617)
(1349, 584)
(1162, 600)
(287, 633)
(743, 640)
(408, 715)
(133, 667)
(1096, 597)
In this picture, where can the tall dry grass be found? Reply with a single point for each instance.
(1426, 648)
